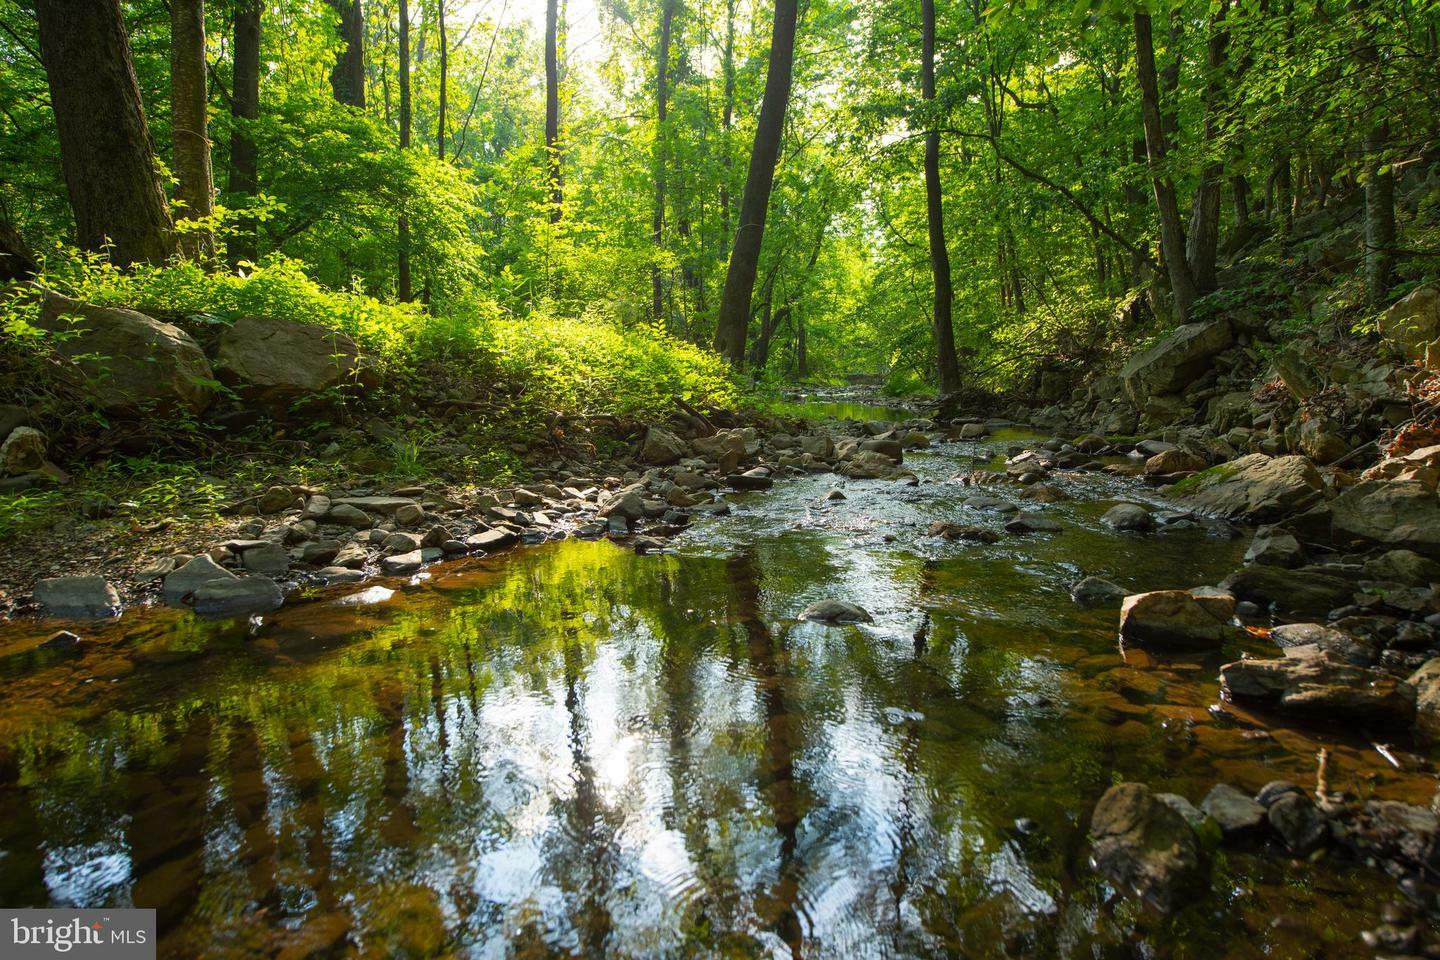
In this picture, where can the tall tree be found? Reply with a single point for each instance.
(105, 148)
(552, 109)
(733, 323)
(195, 186)
(1172, 230)
(402, 283)
(444, 81)
(659, 159)
(347, 77)
(1204, 236)
(947, 363)
(245, 108)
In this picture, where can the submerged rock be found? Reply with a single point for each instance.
(1293, 593)
(1299, 823)
(1145, 847)
(1097, 592)
(836, 611)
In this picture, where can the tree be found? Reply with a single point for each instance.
(244, 109)
(662, 94)
(195, 187)
(552, 110)
(402, 283)
(733, 323)
(105, 148)
(946, 362)
(444, 81)
(347, 77)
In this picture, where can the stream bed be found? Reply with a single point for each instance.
(574, 750)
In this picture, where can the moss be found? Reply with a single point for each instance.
(1204, 479)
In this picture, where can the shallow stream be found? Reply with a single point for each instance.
(572, 750)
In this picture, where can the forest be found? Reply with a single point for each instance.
(667, 478)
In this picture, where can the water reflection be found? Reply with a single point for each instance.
(577, 751)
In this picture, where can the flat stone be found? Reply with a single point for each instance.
(1233, 811)
(385, 505)
(271, 560)
(189, 578)
(491, 540)
(349, 515)
(1299, 823)
(401, 563)
(88, 596)
(1340, 644)
(1293, 593)
(1255, 488)
(835, 611)
(238, 597)
(1321, 686)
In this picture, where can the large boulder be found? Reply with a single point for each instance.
(125, 360)
(279, 360)
(1412, 325)
(22, 451)
(78, 597)
(238, 598)
(1293, 593)
(1403, 514)
(1426, 682)
(1254, 488)
(1170, 618)
(661, 447)
(1145, 847)
(1316, 684)
(1176, 361)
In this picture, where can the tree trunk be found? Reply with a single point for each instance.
(105, 147)
(1379, 218)
(732, 326)
(727, 118)
(552, 109)
(347, 77)
(1172, 231)
(402, 283)
(662, 95)
(1204, 237)
(948, 366)
(244, 108)
(195, 185)
(444, 81)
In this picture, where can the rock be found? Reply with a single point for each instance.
(835, 611)
(1169, 618)
(61, 640)
(1403, 566)
(189, 578)
(834, 495)
(818, 445)
(1219, 603)
(1321, 441)
(1033, 523)
(661, 447)
(1233, 811)
(1255, 488)
(1412, 325)
(1293, 593)
(961, 531)
(320, 552)
(974, 431)
(1128, 516)
(349, 516)
(341, 575)
(750, 480)
(869, 465)
(385, 505)
(627, 504)
(270, 560)
(1273, 548)
(1392, 513)
(1178, 360)
(1318, 685)
(125, 360)
(275, 500)
(1297, 373)
(1342, 645)
(90, 596)
(352, 556)
(316, 507)
(1299, 823)
(278, 360)
(1426, 682)
(1274, 790)
(238, 597)
(491, 540)
(409, 514)
(22, 452)
(401, 563)
(893, 449)
(1145, 848)
(1096, 592)
(1173, 461)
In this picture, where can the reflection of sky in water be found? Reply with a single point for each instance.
(584, 750)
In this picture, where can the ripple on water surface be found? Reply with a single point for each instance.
(577, 750)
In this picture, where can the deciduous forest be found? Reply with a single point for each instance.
(722, 477)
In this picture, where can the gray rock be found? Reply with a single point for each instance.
(1412, 325)
(316, 507)
(1273, 548)
(341, 575)
(1426, 682)
(628, 503)
(1392, 513)
(401, 563)
(385, 505)
(1403, 566)
(750, 480)
(90, 596)
(238, 597)
(1145, 848)
(1293, 593)
(23, 451)
(351, 556)
(409, 514)
(1316, 684)
(320, 552)
(661, 447)
(974, 431)
(276, 359)
(835, 611)
(276, 499)
(189, 578)
(1255, 488)
(1345, 646)
(125, 360)
(1232, 810)
(1299, 823)
(270, 560)
(1176, 361)
(491, 540)
(1033, 523)
(1128, 516)
(1097, 592)
(1169, 618)
(350, 516)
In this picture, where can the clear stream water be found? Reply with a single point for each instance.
(575, 751)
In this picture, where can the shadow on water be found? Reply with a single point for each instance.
(577, 751)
